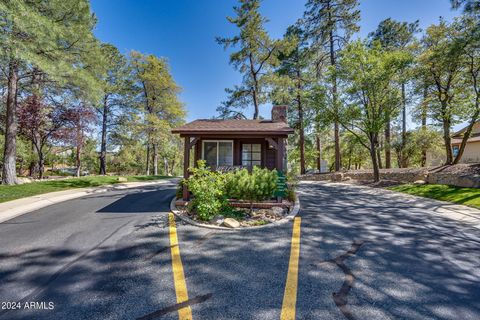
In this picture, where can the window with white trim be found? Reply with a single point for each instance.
(218, 153)
(251, 155)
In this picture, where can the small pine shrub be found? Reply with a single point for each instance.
(256, 186)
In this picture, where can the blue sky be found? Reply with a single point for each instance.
(184, 31)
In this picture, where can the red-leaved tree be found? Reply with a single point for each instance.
(78, 120)
(39, 122)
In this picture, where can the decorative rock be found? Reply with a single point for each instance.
(122, 179)
(278, 211)
(420, 182)
(22, 180)
(336, 177)
(231, 223)
(218, 220)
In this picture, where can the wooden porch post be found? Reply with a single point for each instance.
(186, 163)
(280, 162)
(280, 155)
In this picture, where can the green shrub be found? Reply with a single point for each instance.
(208, 189)
(231, 212)
(256, 186)
(179, 191)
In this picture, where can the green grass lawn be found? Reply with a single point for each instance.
(8, 193)
(466, 196)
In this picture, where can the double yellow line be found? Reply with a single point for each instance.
(290, 294)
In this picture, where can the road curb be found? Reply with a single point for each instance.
(18, 207)
(288, 218)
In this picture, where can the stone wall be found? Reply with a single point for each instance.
(407, 176)
(466, 181)
(434, 176)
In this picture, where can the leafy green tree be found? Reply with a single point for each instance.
(354, 152)
(367, 75)
(54, 37)
(329, 24)
(256, 55)
(159, 96)
(440, 64)
(117, 96)
(470, 42)
(420, 141)
(394, 35)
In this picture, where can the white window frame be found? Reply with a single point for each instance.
(217, 141)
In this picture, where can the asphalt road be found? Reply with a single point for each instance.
(363, 255)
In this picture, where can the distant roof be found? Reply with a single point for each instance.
(475, 131)
(234, 126)
(473, 138)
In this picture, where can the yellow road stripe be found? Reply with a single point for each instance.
(290, 295)
(184, 313)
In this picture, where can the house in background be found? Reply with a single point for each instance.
(471, 153)
(229, 144)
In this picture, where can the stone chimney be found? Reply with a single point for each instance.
(279, 114)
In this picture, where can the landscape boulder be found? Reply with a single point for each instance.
(231, 223)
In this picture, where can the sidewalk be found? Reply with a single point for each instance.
(15, 208)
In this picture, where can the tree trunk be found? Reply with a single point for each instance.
(336, 126)
(33, 167)
(147, 171)
(373, 155)
(466, 135)
(424, 125)
(255, 87)
(388, 150)
(172, 167)
(301, 129)
(9, 174)
(78, 161)
(447, 140)
(103, 144)
(165, 165)
(379, 158)
(155, 159)
(319, 153)
(41, 164)
(404, 126)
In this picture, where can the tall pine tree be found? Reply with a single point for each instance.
(330, 23)
(53, 37)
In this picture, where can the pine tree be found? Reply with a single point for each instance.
(330, 23)
(296, 79)
(256, 54)
(53, 37)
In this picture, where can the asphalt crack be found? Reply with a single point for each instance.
(341, 297)
(175, 307)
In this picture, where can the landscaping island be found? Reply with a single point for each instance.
(239, 198)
